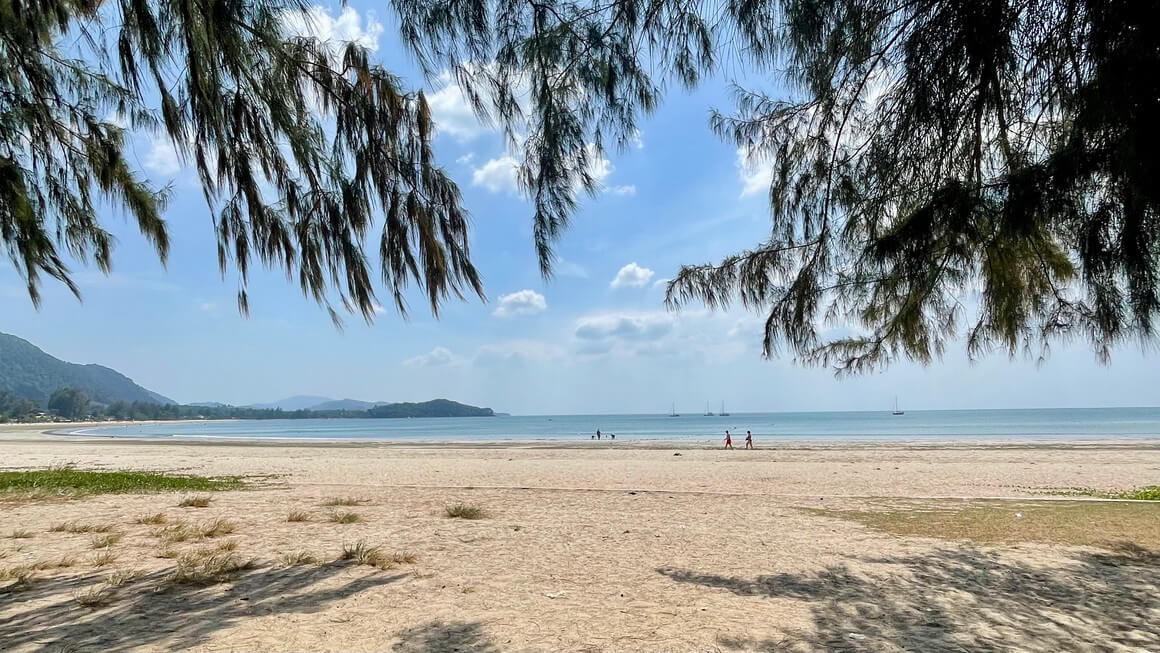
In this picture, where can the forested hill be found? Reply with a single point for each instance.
(433, 408)
(28, 372)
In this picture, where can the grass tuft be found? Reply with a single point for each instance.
(167, 553)
(94, 597)
(173, 533)
(20, 534)
(345, 517)
(69, 482)
(196, 501)
(77, 527)
(119, 577)
(22, 575)
(60, 563)
(151, 520)
(464, 511)
(227, 545)
(216, 527)
(297, 558)
(104, 541)
(362, 553)
(298, 516)
(344, 501)
(207, 568)
(104, 558)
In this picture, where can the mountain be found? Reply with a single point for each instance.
(297, 402)
(346, 404)
(27, 371)
(433, 408)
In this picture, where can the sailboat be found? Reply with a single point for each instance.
(708, 413)
(897, 410)
(723, 413)
(673, 412)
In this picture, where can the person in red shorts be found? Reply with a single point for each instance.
(728, 440)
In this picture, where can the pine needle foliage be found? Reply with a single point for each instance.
(300, 146)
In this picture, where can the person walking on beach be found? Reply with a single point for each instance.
(748, 440)
(597, 434)
(728, 440)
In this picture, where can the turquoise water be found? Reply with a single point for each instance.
(1065, 424)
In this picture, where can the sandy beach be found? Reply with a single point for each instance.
(608, 547)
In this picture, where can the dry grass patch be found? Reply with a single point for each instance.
(216, 528)
(119, 577)
(104, 558)
(298, 516)
(151, 520)
(227, 545)
(297, 558)
(78, 527)
(362, 553)
(62, 562)
(196, 501)
(104, 541)
(1079, 523)
(94, 597)
(22, 574)
(208, 568)
(19, 534)
(345, 517)
(464, 511)
(344, 501)
(166, 553)
(173, 533)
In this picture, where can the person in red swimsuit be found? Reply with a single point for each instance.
(728, 440)
(748, 440)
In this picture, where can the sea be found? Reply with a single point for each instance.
(926, 425)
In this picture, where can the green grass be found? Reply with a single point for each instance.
(1146, 493)
(69, 482)
(464, 511)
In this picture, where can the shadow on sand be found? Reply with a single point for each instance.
(966, 600)
(150, 613)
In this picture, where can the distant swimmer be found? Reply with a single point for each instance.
(748, 440)
(728, 440)
(597, 434)
(612, 435)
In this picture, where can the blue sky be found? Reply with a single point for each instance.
(595, 339)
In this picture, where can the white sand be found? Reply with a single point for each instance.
(608, 547)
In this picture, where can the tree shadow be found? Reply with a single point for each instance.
(151, 612)
(444, 637)
(969, 600)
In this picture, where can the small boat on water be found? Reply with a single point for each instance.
(708, 413)
(673, 412)
(723, 413)
(897, 410)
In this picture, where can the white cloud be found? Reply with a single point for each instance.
(637, 140)
(497, 175)
(598, 166)
(628, 190)
(437, 357)
(452, 112)
(566, 268)
(347, 27)
(632, 275)
(206, 306)
(162, 157)
(517, 353)
(378, 308)
(756, 175)
(638, 327)
(466, 158)
(521, 302)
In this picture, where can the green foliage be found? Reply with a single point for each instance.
(138, 411)
(14, 407)
(28, 372)
(299, 145)
(69, 402)
(76, 482)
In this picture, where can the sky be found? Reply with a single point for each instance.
(595, 339)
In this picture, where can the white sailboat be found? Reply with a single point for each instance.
(708, 413)
(897, 410)
(723, 413)
(673, 412)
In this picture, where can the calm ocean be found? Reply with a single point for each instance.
(1065, 424)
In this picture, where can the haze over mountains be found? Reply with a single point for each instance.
(27, 371)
